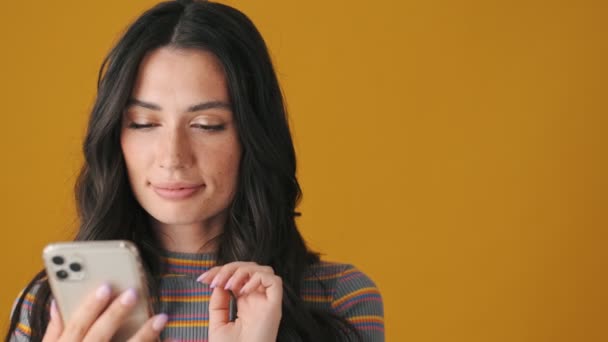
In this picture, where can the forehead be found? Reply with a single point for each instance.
(180, 74)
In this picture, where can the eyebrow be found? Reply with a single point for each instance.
(194, 108)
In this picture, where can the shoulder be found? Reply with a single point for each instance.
(341, 278)
(22, 309)
(351, 294)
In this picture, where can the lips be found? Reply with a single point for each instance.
(176, 190)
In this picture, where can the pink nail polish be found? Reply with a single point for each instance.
(213, 283)
(128, 297)
(53, 309)
(202, 277)
(159, 322)
(103, 292)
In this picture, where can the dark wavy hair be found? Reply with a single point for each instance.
(261, 225)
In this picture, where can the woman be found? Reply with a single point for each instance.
(188, 154)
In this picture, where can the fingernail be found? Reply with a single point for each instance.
(159, 322)
(53, 309)
(128, 297)
(202, 277)
(103, 291)
(213, 283)
(228, 285)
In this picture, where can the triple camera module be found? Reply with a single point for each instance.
(63, 274)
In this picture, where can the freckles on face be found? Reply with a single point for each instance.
(179, 140)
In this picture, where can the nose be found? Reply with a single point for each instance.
(175, 151)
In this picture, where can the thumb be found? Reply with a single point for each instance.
(55, 326)
(219, 308)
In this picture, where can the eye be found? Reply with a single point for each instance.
(209, 127)
(134, 125)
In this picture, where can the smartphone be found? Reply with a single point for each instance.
(76, 269)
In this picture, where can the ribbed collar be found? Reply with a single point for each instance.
(192, 264)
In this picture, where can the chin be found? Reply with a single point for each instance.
(179, 220)
(182, 215)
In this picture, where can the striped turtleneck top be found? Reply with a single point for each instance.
(338, 288)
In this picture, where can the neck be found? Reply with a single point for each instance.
(199, 237)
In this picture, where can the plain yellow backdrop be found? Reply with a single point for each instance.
(455, 151)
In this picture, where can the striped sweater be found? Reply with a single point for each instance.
(338, 288)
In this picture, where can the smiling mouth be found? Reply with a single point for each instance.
(176, 193)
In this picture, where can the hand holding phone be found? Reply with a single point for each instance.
(100, 293)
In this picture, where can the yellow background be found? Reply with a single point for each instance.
(455, 151)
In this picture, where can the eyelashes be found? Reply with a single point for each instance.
(213, 128)
(134, 125)
(209, 127)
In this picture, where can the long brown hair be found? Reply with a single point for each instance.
(261, 226)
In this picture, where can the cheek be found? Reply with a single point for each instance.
(222, 162)
(134, 154)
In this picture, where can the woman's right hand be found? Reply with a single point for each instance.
(98, 319)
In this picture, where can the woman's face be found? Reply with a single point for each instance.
(179, 139)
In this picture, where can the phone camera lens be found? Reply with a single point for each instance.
(61, 274)
(76, 267)
(57, 260)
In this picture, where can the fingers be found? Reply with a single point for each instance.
(108, 323)
(55, 326)
(243, 278)
(237, 280)
(94, 320)
(86, 314)
(219, 309)
(233, 275)
(271, 285)
(259, 301)
(151, 330)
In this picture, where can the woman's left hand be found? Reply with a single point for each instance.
(259, 294)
